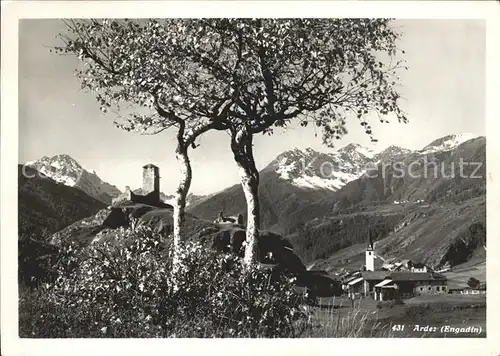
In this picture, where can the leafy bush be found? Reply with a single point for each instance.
(125, 288)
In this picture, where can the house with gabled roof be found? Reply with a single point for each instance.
(409, 284)
(371, 278)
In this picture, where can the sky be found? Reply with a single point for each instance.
(443, 91)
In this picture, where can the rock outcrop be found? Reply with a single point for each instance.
(274, 251)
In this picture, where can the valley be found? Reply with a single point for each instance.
(313, 226)
(329, 222)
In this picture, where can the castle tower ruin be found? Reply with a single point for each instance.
(151, 181)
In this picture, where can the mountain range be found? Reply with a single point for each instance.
(303, 168)
(326, 203)
(297, 180)
(442, 216)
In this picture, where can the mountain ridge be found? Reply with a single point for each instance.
(307, 168)
(314, 169)
(305, 213)
(64, 169)
(46, 206)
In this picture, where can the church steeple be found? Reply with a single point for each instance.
(370, 255)
(370, 243)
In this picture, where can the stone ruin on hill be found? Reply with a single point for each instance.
(150, 189)
(221, 219)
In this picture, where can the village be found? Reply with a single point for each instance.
(392, 279)
(401, 297)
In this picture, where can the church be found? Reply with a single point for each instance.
(383, 284)
(370, 256)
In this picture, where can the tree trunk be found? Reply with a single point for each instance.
(180, 203)
(242, 147)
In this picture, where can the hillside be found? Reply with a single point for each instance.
(278, 199)
(434, 219)
(274, 251)
(433, 188)
(106, 225)
(434, 234)
(46, 206)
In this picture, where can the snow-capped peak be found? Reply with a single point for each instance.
(61, 168)
(355, 154)
(367, 152)
(390, 152)
(447, 143)
(357, 148)
(308, 168)
(64, 169)
(311, 169)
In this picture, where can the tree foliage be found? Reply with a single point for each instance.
(274, 70)
(141, 64)
(320, 71)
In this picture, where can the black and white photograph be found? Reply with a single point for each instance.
(250, 177)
